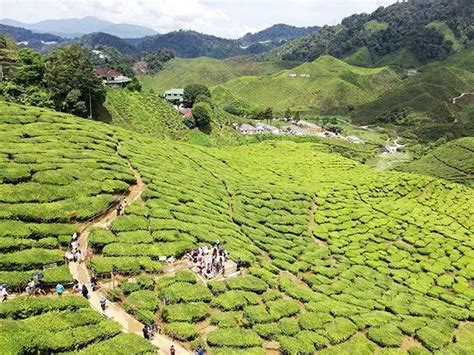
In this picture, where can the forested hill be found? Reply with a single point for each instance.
(278, 33)
(427, 29)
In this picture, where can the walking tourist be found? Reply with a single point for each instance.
(59, 289)
(172, 350)
(94, 282)
(4, 293)
(85, 292)
(103, 303)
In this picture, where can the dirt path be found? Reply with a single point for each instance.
(81, 273)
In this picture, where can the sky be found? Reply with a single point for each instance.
(225, 18)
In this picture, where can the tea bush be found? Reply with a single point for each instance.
(181, 331)
(233, 337)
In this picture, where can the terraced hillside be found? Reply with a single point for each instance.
(59, 325)
(209, 71)
(337, 258)
(143, 112)
(332, 86)
(452, 161)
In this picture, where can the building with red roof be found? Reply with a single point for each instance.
(111, 77)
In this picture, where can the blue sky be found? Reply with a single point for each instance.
(227, 18)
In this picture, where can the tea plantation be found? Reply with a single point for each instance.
(338, 258)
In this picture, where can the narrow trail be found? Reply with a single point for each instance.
(454, 99)
(80, 272)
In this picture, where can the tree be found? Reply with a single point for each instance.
(71, 79)
(134, 85)
(268, 114)
(31, 69)
(192, 91)
(202, 114)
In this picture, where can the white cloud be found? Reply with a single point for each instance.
(228, 18)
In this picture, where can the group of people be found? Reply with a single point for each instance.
(148, 331)
(214, 265)
(35, 285)
(120, 206)
(74, 254)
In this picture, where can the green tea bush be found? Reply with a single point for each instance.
(129, 223)
(181, 331)
(185, 292)
(233, 337)
(225, 319)
(235, 300)
(217, 287)
(339, 330)
(387, 335)
(257, 314)
(356, 345)
(141, 300)
(282, 308)
(31, 259)
(432, 339)
(247, 283)
(296, 345)
(288, 326)
(22, 307)
(313, 320)
(187, 312)
(122, 343)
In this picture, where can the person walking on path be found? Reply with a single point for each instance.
(103, 303)
(94, 282)
(172, 350)
(145, 332)
(85, 292)
(4, 293)
(59, 289)
(200, 351)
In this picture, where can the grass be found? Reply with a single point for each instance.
(335, 253)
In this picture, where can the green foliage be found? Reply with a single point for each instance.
(123, 343)
(193, 91)
(247, 283)
(339, 330)
(298, 344)
(187, 312)
(181, 331)
(234, 300)
(225, 319)
(185, 292)
(233, 337)
(22, 307)
(202, 114)
(387, 335)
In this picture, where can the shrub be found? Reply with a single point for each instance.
(126, 343)
(225, 319)
(432, 339)
(233, 337)
(282, 308)
(288, 326)
(141, 300)
(129, 223)
(237, 351)
(267, 330)
(189, 312)
(313, 320)
(234, 300)
(22, 307)
(339, 330)
(181, 331)
(356, 345)
(387, 335)
(31, 259)
(186, 292)
(217, 287)
(98, 238)
(298, 345)
(247, 283)
(319, 341)
(257, 314)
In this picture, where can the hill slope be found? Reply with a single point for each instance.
(209, 71)
(423, 103)
(333, 87)
(277, 33)
(453, 161)
(330, 247)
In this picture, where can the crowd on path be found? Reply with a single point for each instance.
(211, 264)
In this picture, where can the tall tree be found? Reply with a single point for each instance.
(192, 91)
(71, 79)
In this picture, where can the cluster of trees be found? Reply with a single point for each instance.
(156, 60)
(198, 97)
(402, 25)
(64, 80)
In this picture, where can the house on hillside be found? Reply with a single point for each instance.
(112, 78)
(185, 112)
(292, 75)
(174, 95)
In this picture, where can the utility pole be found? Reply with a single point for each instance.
(90, 104)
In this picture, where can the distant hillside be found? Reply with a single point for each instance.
(452, 161)
(278, 33)
(75, 27)
(209, 71)
(33, 40)
(94, 40)
(423, 103)
(428, 29)
(326, 85)
(191, 44)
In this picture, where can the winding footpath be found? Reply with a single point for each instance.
(81, 273)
